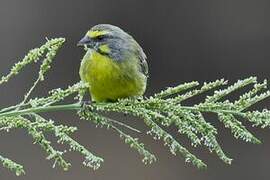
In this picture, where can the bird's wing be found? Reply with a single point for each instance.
(143, 62)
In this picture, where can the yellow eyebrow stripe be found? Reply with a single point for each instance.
(93, 34)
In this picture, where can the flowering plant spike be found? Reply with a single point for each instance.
(163, 109)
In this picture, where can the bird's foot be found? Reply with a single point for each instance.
(86, 103)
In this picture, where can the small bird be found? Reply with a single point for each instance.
(114, 65)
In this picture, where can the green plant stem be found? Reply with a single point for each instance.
(67, 107)
(17, 106)
(29, 93)
(77, 106)
(234, 112)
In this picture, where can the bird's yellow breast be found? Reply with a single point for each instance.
(110, 80)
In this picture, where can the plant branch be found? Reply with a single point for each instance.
(159, 111)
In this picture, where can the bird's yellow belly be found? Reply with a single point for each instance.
(110, 80)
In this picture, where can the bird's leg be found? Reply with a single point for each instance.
(85, 103)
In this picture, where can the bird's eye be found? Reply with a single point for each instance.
(100, 37)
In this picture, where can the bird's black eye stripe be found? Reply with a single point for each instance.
(100, 37)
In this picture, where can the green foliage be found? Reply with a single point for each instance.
(160, 111)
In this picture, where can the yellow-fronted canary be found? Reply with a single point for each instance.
(114, 65)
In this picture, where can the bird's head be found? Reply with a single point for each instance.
(111, 41)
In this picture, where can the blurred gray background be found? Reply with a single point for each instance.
(184, 40)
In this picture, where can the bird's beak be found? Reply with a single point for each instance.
(84, 41)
